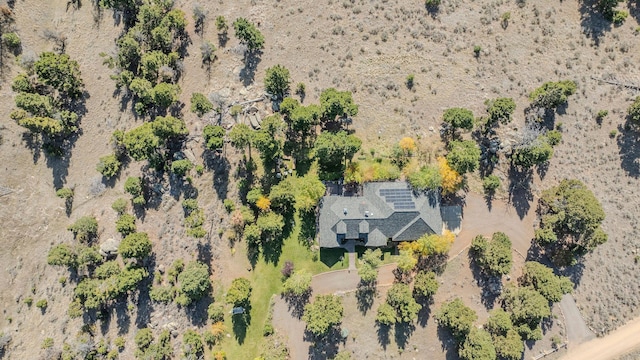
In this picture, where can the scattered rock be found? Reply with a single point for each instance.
(109, 248)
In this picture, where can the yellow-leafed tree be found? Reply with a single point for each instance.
(451, 180)
(263, 203)
(408, 145)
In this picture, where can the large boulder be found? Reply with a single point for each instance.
(109, 248)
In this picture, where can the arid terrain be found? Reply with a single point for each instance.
(368, 48)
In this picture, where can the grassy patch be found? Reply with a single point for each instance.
(266, 280)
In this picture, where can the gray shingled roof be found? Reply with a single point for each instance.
(378, 216)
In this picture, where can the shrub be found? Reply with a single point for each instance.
(619, 16)
(409, 81)
(248, 34)
(85, 228)
(552, 94)
(277, 80)
(42, 304)
(200, 105)
(12, 40)
(192, 345)
(47, 343)
(633, 111)
(181, 167)
(126, 224)
(215, 312)
(133, 186)
(425, 285)
(213, 136)
(493, 257)
(476, 50)
(221, 24)
(490, 184)
(119, 206)
(301, 89)
(229, 205)
(162, 294)
(500, 110)
(136, 245)
(65, 193)
(194, 281)
(458, 118)
(287, 269)
(428, 178)
(239, 292)
(463, 156)
(59, 72)
(432, 3)
(298, 284)
(109, 166)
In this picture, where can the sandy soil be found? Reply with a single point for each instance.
(617, 343)
(368, 48)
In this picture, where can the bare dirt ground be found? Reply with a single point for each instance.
(365, 47)
(617, 343)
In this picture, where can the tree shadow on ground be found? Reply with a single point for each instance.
(221, 167)
(253, 254)
(402, 333)
(240, 324)
(594, 25)
(449, 345)
(144, 305)
(491, 285)
(197, 311)
(59, 158)
(123, 318)
(325, 347)
(436, 263)
(272, 250)
(425, 312)
(520, 195)
(251, 60)
(307, 227)
(296, 304)
(365, 294)
(205, 254)
(383, 335)
(629, 150)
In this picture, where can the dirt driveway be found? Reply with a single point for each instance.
(617, 343)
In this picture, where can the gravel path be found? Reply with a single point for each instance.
(577, 330)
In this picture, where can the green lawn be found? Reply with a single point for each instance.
(266, 280)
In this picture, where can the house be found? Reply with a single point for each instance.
(385, 213)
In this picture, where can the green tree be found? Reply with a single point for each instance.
(109, 166)
(133, 186)
(135, 245)
(334, 103)
(298, 284)
(85, 228)
(241, 136)
(370, 261)
(534, 153)
(527, 307)
(633, 112)
(239, 292)
(142, 142)
(192, 345)
(543, 279)
(62, 255)
(248, 34)
(458, 118)
(126, 224)
(332, 150)
(323, 314)
(169, 128)
(457, 317)
(427, 178)
(59, 72)
(500, 110)
(510, 346)
(401, 300)
(252, 234)
(570, 218)
(425, 285)
(194, 282)
(490, 184)
(477, 346)
(276, 80)
(200, 105)
(463, 156)
(270, 224)
(499, 322)
(552, 94)
(268, 140)
(386, 314)
(493, 257)
(165, 95)
(213, 136)
(181, 167)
